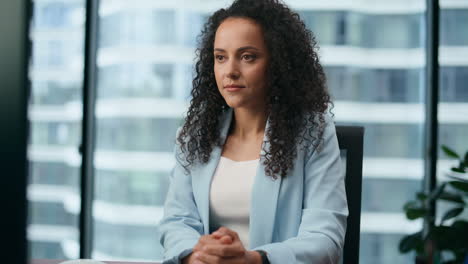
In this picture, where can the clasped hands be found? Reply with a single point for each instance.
(222, 246)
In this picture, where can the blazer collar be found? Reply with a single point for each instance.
(264, 197)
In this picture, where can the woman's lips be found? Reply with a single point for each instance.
(233, 88)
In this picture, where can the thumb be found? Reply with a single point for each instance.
(226, 239)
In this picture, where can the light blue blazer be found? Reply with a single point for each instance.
(297, 219)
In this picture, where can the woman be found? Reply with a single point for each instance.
(257, 177)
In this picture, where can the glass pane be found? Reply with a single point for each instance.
(373, 55)
(55, 128)
(145, 55)
(453, 104)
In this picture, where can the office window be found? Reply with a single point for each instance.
(453, 104)
(145, 67)
(52, 14)
(375, 75)
(381, 249)
(374, 85)
(395, 192)
(132, 188)
(136, 80)
(142, 97)
(53, 173)
(138, 242)
(51, 213)
(328, 26)
(394, 31)
(367, 30)
(137, 134)
(56, 73)
(453, 84)
(451, 21)
(393, 140)
(455, 136)
(453, 93)
(47, 250)
(54, 92)
(373, 55)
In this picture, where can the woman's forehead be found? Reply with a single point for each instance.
(234, 33)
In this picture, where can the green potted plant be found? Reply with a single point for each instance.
(447, 240)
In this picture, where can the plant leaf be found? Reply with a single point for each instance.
(410, 242)
(410, 205)
(415, 213)
(453, 261)
(452, 237)
(460, 225)
(462, 186)
(421, 196)
(450, 152)
(461, 166)
(437, 191)
(451, 197)
(452, 213)
(455, 169)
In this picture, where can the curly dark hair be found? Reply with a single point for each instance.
(297, 97)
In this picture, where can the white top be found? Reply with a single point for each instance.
(230, 194)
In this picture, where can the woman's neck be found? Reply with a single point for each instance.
(248, 124)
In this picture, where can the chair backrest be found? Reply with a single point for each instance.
(350, 139)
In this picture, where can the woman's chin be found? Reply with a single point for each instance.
(234, 104)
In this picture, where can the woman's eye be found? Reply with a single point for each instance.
(248, 57)
(219, 57)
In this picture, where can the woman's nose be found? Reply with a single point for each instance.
(232, 70)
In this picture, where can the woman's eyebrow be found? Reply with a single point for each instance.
(238, 50)
(246, 48)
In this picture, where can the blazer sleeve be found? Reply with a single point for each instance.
(181, 225)
(322, 230)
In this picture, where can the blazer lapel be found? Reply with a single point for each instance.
(201, 179)
(265, 192)
(264, 197)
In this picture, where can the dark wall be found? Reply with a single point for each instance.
(14, 87)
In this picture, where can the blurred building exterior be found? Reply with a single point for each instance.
(374, 56)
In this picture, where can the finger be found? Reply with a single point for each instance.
(226, 231)
(232, 250)
(194, 260)
(208, 239)
(226, 240)
(197, 247)
(217, 235)
(207, 258)
(234, 260)
(205, 239)
(231, 260)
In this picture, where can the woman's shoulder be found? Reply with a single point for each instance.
(320, 127)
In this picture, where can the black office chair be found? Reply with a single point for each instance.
(350, 139)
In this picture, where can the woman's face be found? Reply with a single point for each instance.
(240, 65)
